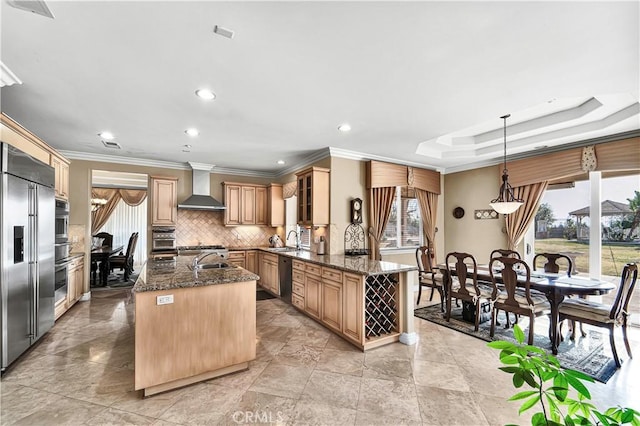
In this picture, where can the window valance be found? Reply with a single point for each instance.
(381, 175)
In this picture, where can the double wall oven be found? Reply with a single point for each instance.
(62, 247)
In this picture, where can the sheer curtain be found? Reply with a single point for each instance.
(518, 222)
(124, 221)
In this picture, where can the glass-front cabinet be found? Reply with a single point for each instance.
(313, 196)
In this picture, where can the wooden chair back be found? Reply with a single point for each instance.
(625, 290)
(424, 259)
(551, 264)
(131, 247)
(509, 272)
(505, 253)
(465, 268)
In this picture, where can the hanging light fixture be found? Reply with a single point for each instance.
(506, 203)
(97, 203)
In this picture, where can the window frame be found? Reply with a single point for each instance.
(397, 248)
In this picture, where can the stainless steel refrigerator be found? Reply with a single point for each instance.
(27, 215)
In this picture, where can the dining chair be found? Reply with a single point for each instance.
(107, 239)
(462, 283)
(552, 266)
(602, 315)
(125, 261)
(505, 253)
(516, 297)
(429, 276)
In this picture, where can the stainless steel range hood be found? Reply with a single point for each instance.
(201, 198)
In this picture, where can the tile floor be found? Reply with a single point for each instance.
(82, 373)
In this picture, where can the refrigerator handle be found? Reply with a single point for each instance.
(33, 265)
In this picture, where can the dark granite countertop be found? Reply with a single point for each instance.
(168, 275)
(356, 264)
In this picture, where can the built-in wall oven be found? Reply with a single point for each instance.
(62, 221)
(163, 239)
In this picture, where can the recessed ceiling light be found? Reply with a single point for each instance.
(192, 132)
(187, 146)
(344, 127)
(106, 135)
(206, 94)
(281, 162)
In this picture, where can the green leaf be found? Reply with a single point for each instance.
(568, 420)
(517, 379)
(518, 334)
(534, 349)
(501, 344)
(528, 377)
(510, 359)
(579, 375)
(538, 419)
(509, 370)
(522, 395)
(627, 415)
(578, 386)
(603, 419)
(560, 387)
(529, 403)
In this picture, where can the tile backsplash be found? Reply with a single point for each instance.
(76, 237)
(202, 227)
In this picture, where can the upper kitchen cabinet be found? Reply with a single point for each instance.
(14, 134)
(246, 204)
(313, 196)
(61, 167)
(275, 202)
(164, 201)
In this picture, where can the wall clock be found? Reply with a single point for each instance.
(458, 212)
(356, 210)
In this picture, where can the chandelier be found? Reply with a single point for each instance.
(506, 203)
(97, 203)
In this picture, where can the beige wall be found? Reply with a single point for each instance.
(472, 190)
(348, 181)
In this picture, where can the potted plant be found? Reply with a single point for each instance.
(560, 394)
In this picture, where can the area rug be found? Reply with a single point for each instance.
(590, 355)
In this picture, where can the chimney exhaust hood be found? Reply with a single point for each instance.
(201, 198)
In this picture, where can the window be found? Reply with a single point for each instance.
(126, 220)
(405, 226)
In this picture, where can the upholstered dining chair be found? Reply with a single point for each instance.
(125, 261)
(605, 316)
(519, 299)
(107, 240)
(551, 265)
(429, 276)
(462, 283)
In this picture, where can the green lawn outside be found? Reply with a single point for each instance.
(621, 254)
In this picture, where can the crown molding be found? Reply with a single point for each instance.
(312, 158)
(361, 156)
(104, 158)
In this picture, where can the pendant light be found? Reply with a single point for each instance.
(506, 203)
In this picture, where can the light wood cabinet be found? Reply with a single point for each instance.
(164, 201)
(75, 281)
(14, 134)
(312, 294)
(313, 196)
(331, 306)
(238, 258)
(251, 261)
(245, 204)
(276, 205)
(61, 167)
(352, 307)
(269, 272)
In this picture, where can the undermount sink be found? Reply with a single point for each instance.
(217, 265)
(282, 249)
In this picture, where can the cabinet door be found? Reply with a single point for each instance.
(352, 307)
(251, 261)
(275, 205)
(332, 304)
(261, 205)
(312, 289)
(275, 279)
(248, 205)
(301, 192)
(64, 180)
(79, 272)
(233, 203)
(71, 286)
(164, 202)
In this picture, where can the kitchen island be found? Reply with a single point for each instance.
(192, 325)
(365, 301)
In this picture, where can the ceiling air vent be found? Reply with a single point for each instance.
(38, 7)
(111, 144)
(224, 32)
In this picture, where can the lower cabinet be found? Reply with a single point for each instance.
(352, 307)
(251, 261)
(269, 272)
(238, 258)
(312, 289)
(331, 305)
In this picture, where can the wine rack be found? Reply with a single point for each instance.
(381, 305)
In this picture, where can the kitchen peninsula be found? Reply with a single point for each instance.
(192, 324)
(365, 301)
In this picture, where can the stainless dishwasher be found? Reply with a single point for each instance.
(284, 275)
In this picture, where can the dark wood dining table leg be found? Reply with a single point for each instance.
(555, 299)
(104, 272)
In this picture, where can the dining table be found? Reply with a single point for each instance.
(100, 256)
(554, 286)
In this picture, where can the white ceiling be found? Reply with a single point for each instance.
(422, 83)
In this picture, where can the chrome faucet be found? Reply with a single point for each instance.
(198, 258)
(297, 238)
